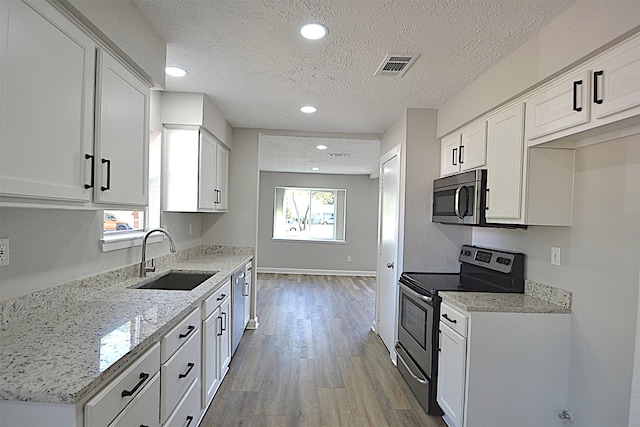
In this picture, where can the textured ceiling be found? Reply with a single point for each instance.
(250, 59)
(299, 154)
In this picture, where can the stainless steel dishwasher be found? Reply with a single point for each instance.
(237, 310)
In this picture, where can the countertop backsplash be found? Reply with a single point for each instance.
(52, 297)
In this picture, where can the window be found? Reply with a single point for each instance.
(309, 214)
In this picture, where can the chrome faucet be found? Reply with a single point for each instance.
(172, 247)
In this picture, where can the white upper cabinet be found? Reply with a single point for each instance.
(603, 91)
(122, 134)
(47, 68)
(505, 147)
(72, 132)
(464, 150)
(195, 170)
(616, 81)
(562, 105)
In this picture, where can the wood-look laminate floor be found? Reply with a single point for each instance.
(314, 361)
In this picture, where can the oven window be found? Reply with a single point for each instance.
(413, 319)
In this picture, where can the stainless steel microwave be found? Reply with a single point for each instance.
(461, 198)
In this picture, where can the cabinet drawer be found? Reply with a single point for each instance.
(144, 409)
(188, 411)
(113, 398)
(178, 374)
(213, 302)
(179, 335)
(453, 319)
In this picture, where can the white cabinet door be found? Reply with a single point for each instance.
(144, 409)
(473, 146)
(122, 134)
(248, 274)
(211, 327)
(505, 156)
(207, 194)
(562, 105)
(224, 337)
(452, 375)
(47, 68)
(222, 178)
(616, 80)
(449, 154)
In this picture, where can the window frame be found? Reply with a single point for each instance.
(339, 214)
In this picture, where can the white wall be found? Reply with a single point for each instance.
(360, 228)
(583, 28)
(600, 257)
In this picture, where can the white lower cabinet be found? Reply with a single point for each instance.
(510, 370)
(120, 394)
(143, 408)
(188, 412)
(224, 343)
(178, 374)
(214, 347)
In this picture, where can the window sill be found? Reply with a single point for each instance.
(335, 242)
(124, 241)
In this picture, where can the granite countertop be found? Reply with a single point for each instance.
(502, 303)
(64, 354)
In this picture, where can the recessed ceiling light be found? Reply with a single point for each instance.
(308, 109)
(315, 169)
(321, 147)
(175, 71)
(314, 31)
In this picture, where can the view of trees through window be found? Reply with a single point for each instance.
(309, 214)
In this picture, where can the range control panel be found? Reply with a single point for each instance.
(490, 258)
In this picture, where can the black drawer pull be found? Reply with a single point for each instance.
(189, 419)
(108, 187)
(450, 320)
(596, 97)
(143, 378)
(221, 297)
(142, 425)
(190, 365)
(93, 163)
(190, 329)
(576, 85)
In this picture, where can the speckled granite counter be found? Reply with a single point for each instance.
(65, 350)
(538, 298)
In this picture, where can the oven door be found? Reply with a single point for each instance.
(415, 327)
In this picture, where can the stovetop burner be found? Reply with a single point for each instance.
(481, 270)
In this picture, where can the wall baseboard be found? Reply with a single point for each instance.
(315, 272)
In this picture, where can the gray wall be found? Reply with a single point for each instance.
(361, 226)
(600, 256)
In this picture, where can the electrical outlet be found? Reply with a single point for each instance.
(555, 256)
(349, 258)
(4, 251)
(190, 229)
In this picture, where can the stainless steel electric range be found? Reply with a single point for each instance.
(481, 270)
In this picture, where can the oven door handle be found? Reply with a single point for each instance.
(428, 300)
(415, 377)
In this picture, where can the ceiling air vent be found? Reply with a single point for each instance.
(338, 155)
(395, 65)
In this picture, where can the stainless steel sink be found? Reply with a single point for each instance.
(177, 281)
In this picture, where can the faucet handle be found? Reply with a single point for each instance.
(150, 268)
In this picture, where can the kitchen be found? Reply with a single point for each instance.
(601, 390)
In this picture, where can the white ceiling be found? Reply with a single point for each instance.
(249, 58)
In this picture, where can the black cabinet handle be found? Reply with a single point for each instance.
(576, 86)
(461, 156)
(190, 365)
(225, 321)
(108, 162)
(217, 196)
(190, 329)
(93, 164)
(221, 297)
(189, 419)
(450, 320)
(596, 97)
(454, 157)
(221, 326)
(143, 378)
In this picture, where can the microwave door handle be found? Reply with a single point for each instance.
(456, 202)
